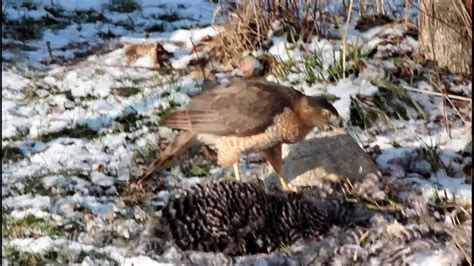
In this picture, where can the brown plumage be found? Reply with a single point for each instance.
(245, 116)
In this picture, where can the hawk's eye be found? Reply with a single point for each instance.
(326, 114)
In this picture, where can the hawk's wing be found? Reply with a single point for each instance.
(240, 108)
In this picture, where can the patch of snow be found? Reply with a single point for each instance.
(283, 50)
(190, 37)
(101, 179)
(82, 5)
(13, 81)
(25, 201)
(40, 245)
(142, 260)
(346, 88)
(434, 258)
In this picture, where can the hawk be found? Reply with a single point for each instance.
(245, 116)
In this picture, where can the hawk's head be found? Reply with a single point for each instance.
(318, 111)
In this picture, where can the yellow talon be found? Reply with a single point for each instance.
(236, 172)
(285, 185)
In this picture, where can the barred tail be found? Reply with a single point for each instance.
(183, 142)
(177, 120)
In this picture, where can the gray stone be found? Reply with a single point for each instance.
(329, 156)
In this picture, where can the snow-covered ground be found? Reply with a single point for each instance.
(72, 135)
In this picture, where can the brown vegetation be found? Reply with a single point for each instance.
(154, 50)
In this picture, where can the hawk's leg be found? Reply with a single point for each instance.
(236, 171)
(273, 156)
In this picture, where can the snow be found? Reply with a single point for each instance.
(40, 245)
(81, 5)
(36, 212)
(282, 49)
(101, 179)
(13, 81)
(190, 37)
(46, 109)
(27, 200)
(346, 88)
(432, 257)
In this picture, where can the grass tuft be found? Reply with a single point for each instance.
(80, 131)
(29, 226)
(170, 16)
(124, 6)
(12, 154)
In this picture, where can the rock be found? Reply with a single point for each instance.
(329, 156)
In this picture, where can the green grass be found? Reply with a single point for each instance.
(390, 103)
(196, 170)
(129, 122)
(23, 258)
(312, 66)
(27, 227)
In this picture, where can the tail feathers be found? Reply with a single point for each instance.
(183, 142)
(178, 120)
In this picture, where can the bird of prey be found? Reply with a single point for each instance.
(239, 218)
(245, 116)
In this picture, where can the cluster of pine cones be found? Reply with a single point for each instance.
(239, 218)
